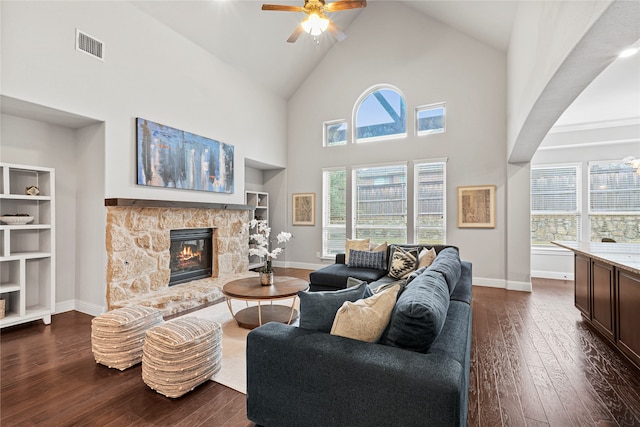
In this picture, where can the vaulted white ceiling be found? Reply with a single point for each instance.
(253, 41)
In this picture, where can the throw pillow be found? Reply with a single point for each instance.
(358, 245)
(318, 309)
(380, 248)
(366, 259)
(365, 319)
(426, 257)
(419, 314)
(402, 263)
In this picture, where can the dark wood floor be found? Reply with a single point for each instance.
(534, 363)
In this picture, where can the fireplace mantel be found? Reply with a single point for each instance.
(145, 203)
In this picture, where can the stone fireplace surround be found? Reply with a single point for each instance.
(137, 246)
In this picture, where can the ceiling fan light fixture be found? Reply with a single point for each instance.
(315, 24)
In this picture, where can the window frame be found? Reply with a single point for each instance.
(325, 133)
(416, 193)
(354, 195)
(325, 209)
(427, 107)
(578, 191)
(356, 109)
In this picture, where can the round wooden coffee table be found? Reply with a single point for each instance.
(250, 289)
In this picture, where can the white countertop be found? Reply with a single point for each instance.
(625, 256)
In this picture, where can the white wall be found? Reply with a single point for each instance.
(429, 62)
(33, 143)
(149, 71)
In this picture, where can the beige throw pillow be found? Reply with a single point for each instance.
(356, 245)
(426, 257)
(365, 319)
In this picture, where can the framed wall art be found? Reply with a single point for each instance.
(304, 209)
(172, 158)
(477, 206)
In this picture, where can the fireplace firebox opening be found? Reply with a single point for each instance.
(191, 254)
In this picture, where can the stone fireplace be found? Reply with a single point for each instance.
(138, 240)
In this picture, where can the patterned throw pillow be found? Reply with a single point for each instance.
(366, 259)
(402, 262)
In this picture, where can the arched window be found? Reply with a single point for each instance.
(380, 113)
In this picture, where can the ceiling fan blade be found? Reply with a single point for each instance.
(337, 6)
(282, 8)
(296, 33)
(336, 31)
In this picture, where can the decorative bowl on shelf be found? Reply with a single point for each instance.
(16, 219)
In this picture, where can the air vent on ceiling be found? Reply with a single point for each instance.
(89, 45)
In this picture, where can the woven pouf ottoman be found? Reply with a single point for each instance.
(181, 354)
(117, 335)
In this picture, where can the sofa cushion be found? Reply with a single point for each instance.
(447, 263)
(336, 275)
(318, 309)
(462, 292)
(357, 244)
(365, 319)
(366, 259)
(419, 313)
(402, 262)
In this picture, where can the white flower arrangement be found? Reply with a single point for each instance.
(261, 241)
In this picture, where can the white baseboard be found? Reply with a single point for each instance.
(558, 275)
(303, 265)
(89, 308)
(511, 285)
(64, 306)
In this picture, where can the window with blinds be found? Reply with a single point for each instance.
(334, 211)
(555, 204)
(380, 203)
(430, 202)
(614, 202)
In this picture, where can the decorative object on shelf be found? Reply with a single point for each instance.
(3, 305)
(18, 219)
(477, 206)
(260, 247)
(32, 190)
(304, 209)
(172, 158)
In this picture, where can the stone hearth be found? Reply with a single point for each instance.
(138, 240)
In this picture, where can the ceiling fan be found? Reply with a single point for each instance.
(316, 21)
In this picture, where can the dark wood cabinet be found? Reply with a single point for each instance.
(603, 298)
(582, 281)
(628, 314)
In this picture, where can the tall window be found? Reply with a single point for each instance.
(334, 211)
(381, 114)
(380, 203)
(555, 204)
(430, 202)
(614, 202)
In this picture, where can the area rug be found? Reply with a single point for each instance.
(233, 373)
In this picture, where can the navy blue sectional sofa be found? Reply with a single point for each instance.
(416, 375)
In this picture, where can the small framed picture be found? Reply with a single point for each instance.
(477, 206)
(304, 209)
